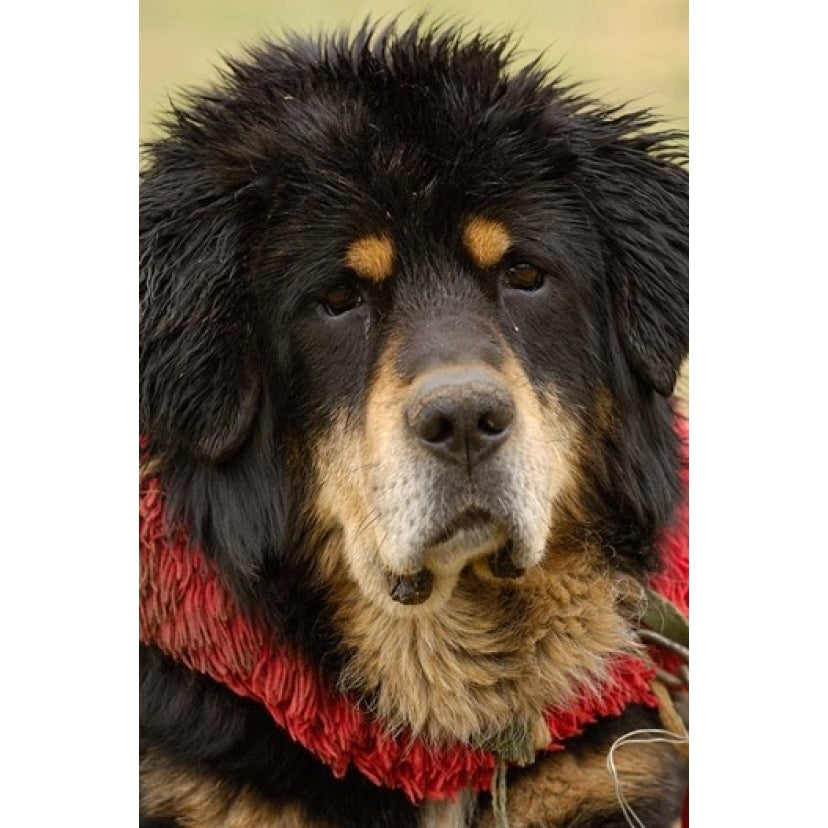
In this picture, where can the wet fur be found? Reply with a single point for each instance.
(255, 407)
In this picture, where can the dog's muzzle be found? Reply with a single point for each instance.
(461, 414)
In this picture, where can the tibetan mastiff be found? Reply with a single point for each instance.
(411, 319)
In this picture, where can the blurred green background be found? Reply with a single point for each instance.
(623, 50)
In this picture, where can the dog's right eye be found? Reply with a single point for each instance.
(525, 277)
(340, 299)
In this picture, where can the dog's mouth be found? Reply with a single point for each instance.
(473, 533)
(470, 525)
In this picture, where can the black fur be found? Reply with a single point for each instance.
(187, 715)
(417, 130)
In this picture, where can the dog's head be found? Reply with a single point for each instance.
(403, 312)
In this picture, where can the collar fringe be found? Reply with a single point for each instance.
(187, 612)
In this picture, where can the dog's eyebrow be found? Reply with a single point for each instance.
(371, 257)
(487, 240)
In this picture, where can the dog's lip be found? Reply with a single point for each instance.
(502, 563)
(469, 520)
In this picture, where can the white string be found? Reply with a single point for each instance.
(639, 737)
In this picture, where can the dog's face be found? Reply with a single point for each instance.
(406, 316)
(443, 345)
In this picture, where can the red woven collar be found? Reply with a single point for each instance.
(186, 611)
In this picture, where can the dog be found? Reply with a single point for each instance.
(410, 322)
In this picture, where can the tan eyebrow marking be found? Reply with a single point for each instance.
(486, 240)
(371, 257)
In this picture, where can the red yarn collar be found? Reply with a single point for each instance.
(186, 611)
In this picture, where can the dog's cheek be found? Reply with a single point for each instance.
(345, 529)
(356, 460)
(548, 461)
(560, 437)
(336, 461)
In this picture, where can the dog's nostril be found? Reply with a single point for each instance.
(494, 423)
(436, 429)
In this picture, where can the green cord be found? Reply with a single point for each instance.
(501, 818)
(513, 745)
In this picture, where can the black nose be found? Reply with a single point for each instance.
(461, 414)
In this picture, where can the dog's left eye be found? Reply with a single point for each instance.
(340, 299)
(524, 277)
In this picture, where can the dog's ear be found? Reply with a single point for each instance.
(639, 195)
(199, 373)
